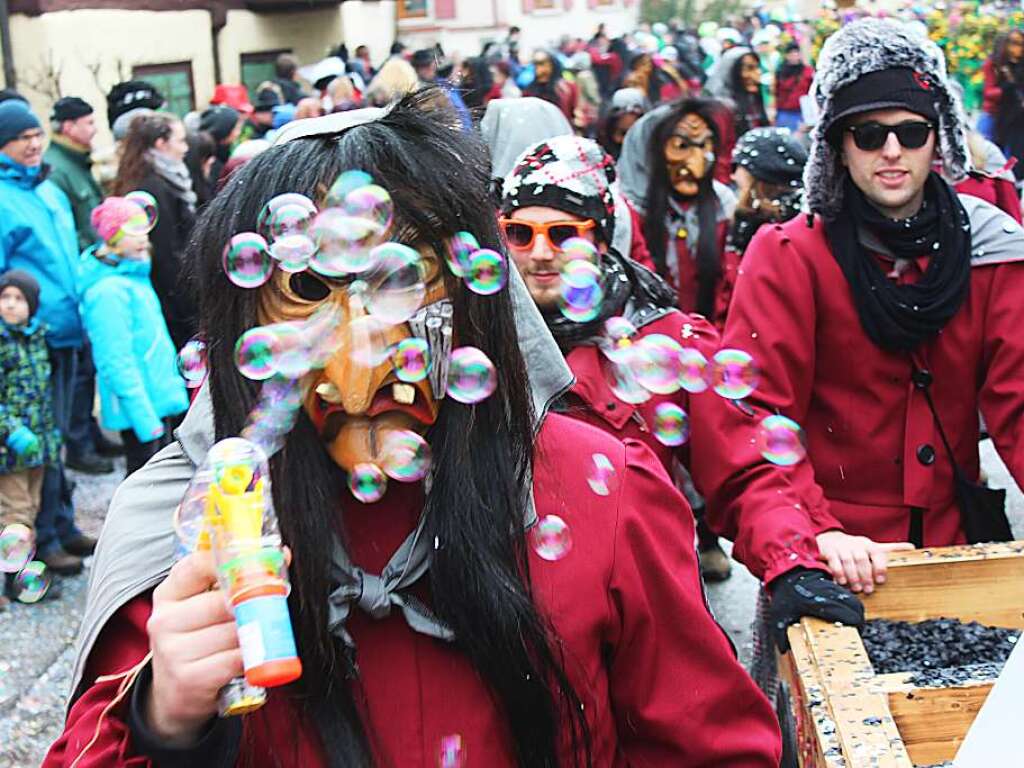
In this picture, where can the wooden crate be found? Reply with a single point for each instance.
(846, 716)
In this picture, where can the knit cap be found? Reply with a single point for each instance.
(568, 173)
(15, 117)
(24, 282)
(118, 216)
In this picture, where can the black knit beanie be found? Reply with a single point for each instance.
(24, 282)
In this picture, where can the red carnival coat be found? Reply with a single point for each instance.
(871, 438)
(658, 678)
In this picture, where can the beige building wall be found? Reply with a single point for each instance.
(310, 34)
(371, 24)
(90, 50)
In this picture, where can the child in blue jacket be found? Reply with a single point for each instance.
(142, 395)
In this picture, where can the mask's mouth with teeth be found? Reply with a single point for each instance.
(393, 397)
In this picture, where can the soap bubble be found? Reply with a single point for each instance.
(192, 362)
(781, 441)
(255, 352)
(671, 424)
(247, 262)
(734, 375)
(367, 482)
(580, 291)
(580, 249)
(17, 545)
(411, 359)
(285, 223)
(451, 753)
(32, 582)
(617, 339)
(395, 288)
(355, 193)
(343, 243)
(487, 272)
(292, 354)
(601, 474)
(406, 456)
(461, 248)
(292, 251)
(551, 538)
(148, 204)
(623, 382)
(694, 375)
(471, 375)
(347, 182)
(657, 364)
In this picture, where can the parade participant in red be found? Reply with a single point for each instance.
(666, 165)
(1002, 71)
(736, 80)
(792, 81)
(548, 84)
(496, 612)
(883, 323)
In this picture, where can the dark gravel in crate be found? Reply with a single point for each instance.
(938, 645)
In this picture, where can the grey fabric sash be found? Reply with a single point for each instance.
(377, 595)
(137, 546)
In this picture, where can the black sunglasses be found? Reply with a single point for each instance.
(870, 136)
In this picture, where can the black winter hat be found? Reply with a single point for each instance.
(895, 88)
(219, 121)
(266, 100)
(130, 95)
(772, 155)
(24, 282)
(70, 108)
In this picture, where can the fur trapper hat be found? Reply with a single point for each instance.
(871, 45)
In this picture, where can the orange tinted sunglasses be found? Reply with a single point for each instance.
(522, 234)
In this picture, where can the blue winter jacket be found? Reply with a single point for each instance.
(136, 363)
(37, 234)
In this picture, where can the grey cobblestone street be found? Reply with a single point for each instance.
(37, 641)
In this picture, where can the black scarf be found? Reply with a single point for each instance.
(624, 279)
(900, 317)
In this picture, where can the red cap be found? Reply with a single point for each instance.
(234, 96)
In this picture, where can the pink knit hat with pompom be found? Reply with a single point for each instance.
(117, 215)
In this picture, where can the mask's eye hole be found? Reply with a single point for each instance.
(308, 287)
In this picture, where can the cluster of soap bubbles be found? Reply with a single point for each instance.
(405, 457)
(581, 286)
(657, 364)
(31, 578)
(483, 270)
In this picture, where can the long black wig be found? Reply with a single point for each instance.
(438, 179)
(659, 189)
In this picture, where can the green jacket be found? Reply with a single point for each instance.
(71, 170)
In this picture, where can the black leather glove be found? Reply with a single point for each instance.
(805, 592)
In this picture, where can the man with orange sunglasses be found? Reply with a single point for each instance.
(559, 192)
